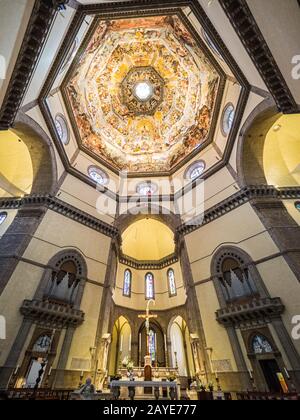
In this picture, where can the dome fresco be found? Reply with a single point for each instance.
(143, 94)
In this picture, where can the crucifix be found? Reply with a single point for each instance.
(147, 316)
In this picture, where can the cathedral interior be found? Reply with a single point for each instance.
(149, 196)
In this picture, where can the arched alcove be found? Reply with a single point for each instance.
(121, 344)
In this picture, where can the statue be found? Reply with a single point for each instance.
(85, 392)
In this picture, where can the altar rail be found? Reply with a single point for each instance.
(266, 396)
(32, 394)
(154, 385)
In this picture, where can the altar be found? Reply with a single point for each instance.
(134, 389)
(163, 381)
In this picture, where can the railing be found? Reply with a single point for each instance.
(43, 310)
(35, 394)
(267, 396)
(264, 308)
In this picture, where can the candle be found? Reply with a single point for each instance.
(50, 371)
(250, 374)
(16, 370)
(121, 345)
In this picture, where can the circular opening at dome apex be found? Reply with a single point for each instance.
(143, 91)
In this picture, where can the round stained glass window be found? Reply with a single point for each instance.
(146, 188)
(62, 129)
(3, 217)
(228, 118)
(98, 175)
(195, 170)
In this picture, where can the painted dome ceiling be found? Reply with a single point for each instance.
(143, 95)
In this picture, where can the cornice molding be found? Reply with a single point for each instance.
(268, 195)
(253, 40)
(148, 265)
(40, 22)
(61, 207)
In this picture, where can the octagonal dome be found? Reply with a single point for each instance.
(143, 95)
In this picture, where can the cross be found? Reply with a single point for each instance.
(147, 316)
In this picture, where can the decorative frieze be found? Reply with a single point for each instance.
(40, 22)
(249, 33)
(61, 207)
(148, 265)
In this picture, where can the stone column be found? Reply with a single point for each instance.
(283, 229)
(135, 352)
(194, 321)
(63, 358)
(107, 304)
(16, 239)
(169, 352)
(12, 360)
(289, 348)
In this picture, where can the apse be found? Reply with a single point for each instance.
(148, 240)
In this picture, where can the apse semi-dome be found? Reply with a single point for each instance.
(143, 95)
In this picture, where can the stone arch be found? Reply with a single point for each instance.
(152, 211)
(41, 152)
(54, 265)
(244, 260)
(251, 143)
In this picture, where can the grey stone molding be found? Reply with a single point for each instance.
(250, 35)
(251, 313)
(148, 265)
(245, 195)
(61, 207)
(40, 22)
(51, 314)
(238, 199)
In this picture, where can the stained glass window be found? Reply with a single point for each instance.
(228, 118)
(98, 175)
(172, 283)
(149, 286)
(152, 345)
(297, 205)
(195, 170)
(62, 129)
(261, 345)
(127, 283)
(42, 344)
(3, 217)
